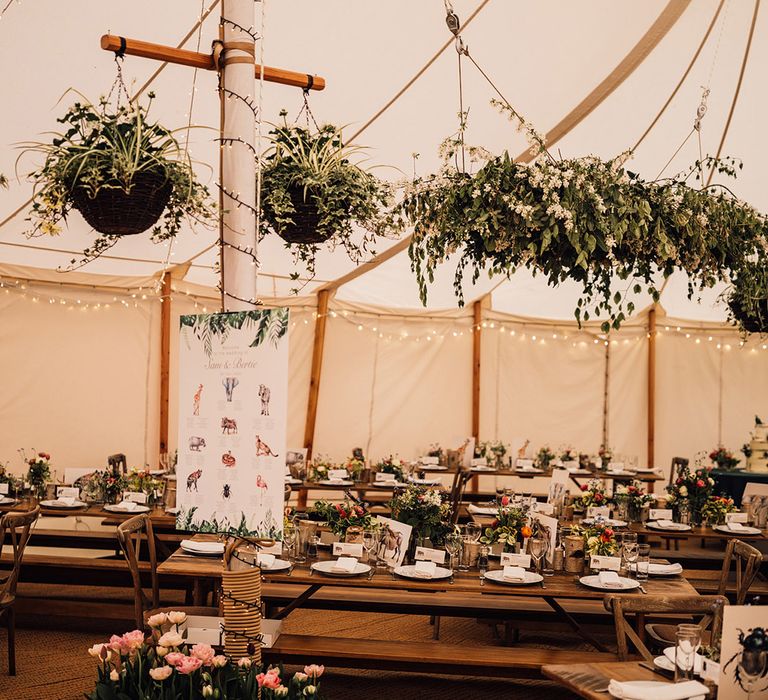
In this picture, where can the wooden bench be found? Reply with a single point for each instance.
(424, 656)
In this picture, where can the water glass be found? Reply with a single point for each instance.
(473, 532)
(289, 540)
(369, 543)
(642, 561)
(453, 544)
(628, 549)
(688, 643)
(537, 547)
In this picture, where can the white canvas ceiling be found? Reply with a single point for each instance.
(544, 56)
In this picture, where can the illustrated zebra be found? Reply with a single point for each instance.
(264, 395)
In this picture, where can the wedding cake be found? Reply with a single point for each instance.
(757, 450)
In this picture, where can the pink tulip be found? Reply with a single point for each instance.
(204, 652)
(161, 672)
(174, 658)
(133, 640)
(188, 664)
(270, 679)
(505, 500)
(314, 670)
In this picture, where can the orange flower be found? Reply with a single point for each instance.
(525, 531)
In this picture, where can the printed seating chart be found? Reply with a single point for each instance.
(233, 385)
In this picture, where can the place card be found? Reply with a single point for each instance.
(66, 492)
(571, 465)
(616, 466)
(385, 477)
(135, 496)
(599, 512)
(429, 460)
(479, 462)
(512, 559)
(736, 517)
(347, 549)
(525, 463)
(4, 489)
(427, 554)
(605, 563)
(545, 508)
(660, 514)
(337, 474)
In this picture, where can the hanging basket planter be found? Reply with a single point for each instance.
(115, 212)
(752, 319)
(304, 227)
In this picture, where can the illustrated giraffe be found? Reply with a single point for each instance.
(196, 401)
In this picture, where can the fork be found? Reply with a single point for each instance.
(371, 573)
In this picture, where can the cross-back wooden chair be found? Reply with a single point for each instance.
(16, 529)
(709, 607)
(460, 480)
(132, 534)
(287, 496)
(678, 463)
(118, 463)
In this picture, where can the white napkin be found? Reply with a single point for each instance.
(665, 568)
(424, 569)
(514, 573)
(265, 560)
(345, 564)
(660, 691)
(735, 527)
(698, 663)
(670, 525)
(202, 546)
(66, 501)
(127, 505)
(608, 578)
(481, 510)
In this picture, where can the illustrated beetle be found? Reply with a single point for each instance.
(756, 640)
(226, 492)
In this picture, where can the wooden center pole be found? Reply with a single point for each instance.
(323, 297)
(652, 389)
(165, 358)
(477, 321)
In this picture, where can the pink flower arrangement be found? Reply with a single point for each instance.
(204, 652)
(188, 664)
(270, 679)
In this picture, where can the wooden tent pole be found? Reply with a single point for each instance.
(204, 61)
(651, 388)
(477, 330)
(323, 297)
(165, 358)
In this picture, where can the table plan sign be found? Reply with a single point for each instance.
(233, 386)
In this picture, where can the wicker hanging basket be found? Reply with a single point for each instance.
(751, 322)
(306, 218)
(115, 212)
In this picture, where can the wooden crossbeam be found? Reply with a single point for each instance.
(204, 61)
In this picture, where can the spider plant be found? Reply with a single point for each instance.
(103, 149)
(313, 193)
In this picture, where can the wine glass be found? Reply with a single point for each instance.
(537, 547)
(453, 545)
(289, 540)
(752, 665)
(370, 541)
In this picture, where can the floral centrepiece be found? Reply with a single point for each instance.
(600, 539)
(723, 459)
(162, 666)
(691, 490)
(354, 467)
(494, 453)
(634, 497)
(510, 527)
(141, 481)
(592, 494)
(39, 472)
(341, 516)
(545, 457)
(426, 510)
(102, 486)
(319, 468)
(715, 509)
(391, 465)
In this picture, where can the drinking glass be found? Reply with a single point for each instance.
(752, 666)
(382, 540)
(473, 532)
(499, 494)
(537, 547)
(642, 561)
(369, 543)
(464, 552)
(453, 547)
(688, 643)
(628, 549)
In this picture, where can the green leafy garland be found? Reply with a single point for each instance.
(587, 220)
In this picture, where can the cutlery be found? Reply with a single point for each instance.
(642, 590)
(656, 669)
(482, 578)
(290, 570)
(541, 583)
(371, 573)
(450, 580)
(311, 571)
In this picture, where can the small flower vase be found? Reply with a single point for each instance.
(574, 554)
(354, 535)
(39, 491)
(635, 512)
(622, 510)
(682, 513)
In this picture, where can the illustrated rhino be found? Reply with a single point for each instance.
(196, 443)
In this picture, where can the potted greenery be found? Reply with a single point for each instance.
(121, 171)
(312, 193)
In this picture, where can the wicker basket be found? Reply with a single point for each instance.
(115, 212)
(241, 602)
(752, 323)
(305, 219)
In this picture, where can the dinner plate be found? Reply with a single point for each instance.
(664, 569)
(663, 662)
(746, 531)
(434, 468)
(115, 508)
(425, 482)
(336, 482)
(6, 500)
(409, 571)
(293, 482)
(483, 469)
(520, 470)
(62, 506)
(624, 584)
(497, 576)
(642, 688)
(387, 484)
(326, 568)
(610, 522)
(277, 565)
(653, 525)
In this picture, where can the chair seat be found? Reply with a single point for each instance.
(666, 635)
(201, 610)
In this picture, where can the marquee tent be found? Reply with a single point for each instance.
(82, 350)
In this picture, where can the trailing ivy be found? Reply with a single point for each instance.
(590, 221)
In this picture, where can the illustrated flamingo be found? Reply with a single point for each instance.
(261, 484)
